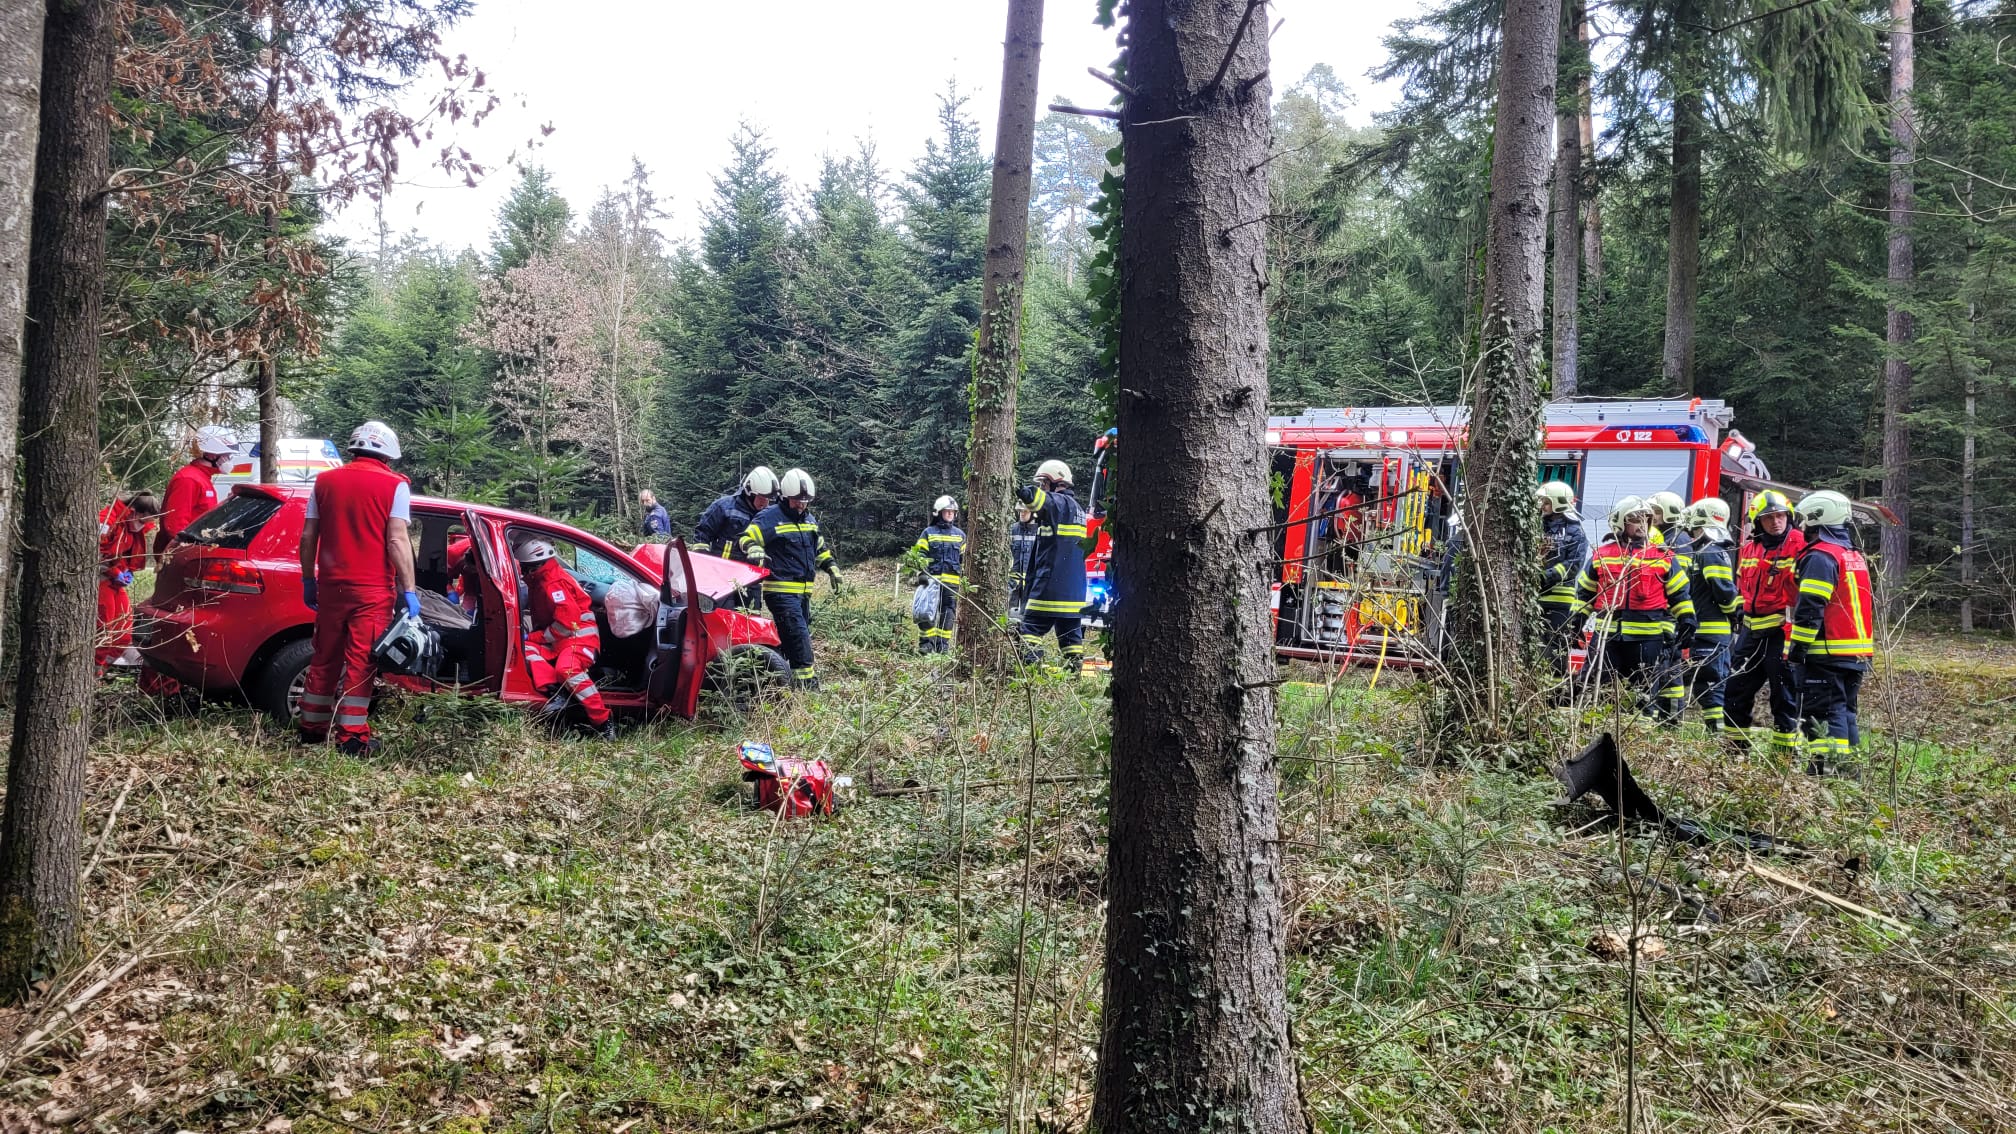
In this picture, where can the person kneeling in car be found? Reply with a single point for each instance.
(564, 641)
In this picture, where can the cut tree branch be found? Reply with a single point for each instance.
(1110, 81)
(1231, 49)
(1066, 108)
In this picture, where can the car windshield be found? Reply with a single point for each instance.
(234, 523)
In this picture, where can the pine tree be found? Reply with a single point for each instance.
(532, 221)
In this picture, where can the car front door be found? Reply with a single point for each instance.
(677, 651)
(503, 634)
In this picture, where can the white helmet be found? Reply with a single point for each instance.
(215, 441)
(1559, 496)
(530, 551)
(760, 482)
(796, 483)
(1626, 508)
(1055, 470)
(942, 503)
(1825, 509)
(1667, 507)
(375, 438)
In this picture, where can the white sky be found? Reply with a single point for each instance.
(668, 81)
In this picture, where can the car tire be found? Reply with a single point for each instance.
(278, 691)
(746, 674)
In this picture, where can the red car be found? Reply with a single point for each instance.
(226, 615)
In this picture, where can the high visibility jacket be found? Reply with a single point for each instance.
(120, 549)
(1835, 619)
(943, 547)
(1767, 577)
(560, 609)
(1716, 602)
(1639, 592)
(1022, 544)
(352, 505)
(1566, 548)
(789, 544)
(722, 524)
(1057, 561)
(190, 494)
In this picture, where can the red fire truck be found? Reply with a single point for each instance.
(1365, 507)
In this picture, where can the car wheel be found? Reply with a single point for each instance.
(746, 674)
(278, 693)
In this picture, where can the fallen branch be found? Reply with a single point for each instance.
(77, 1003)
(1067, 108)
(1770, 875)
(111, 817)
(926, 789)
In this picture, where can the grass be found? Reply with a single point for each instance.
(488, 930)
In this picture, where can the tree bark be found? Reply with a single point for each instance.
(1567, 239)
(20, 110)
(1967, 500)
(40, 841)
(1592, 217)
(1194, 1031)
(1896, 538)
(268, 372)
(1492, 600)
(1683, 231)
(997, 367)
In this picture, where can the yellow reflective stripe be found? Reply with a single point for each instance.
(1764, 621)
(952, 580)
(1855, 609)
(1054, 606)
(1733, 605)
(1684, 606)
(1675, 581)
(1071, 530)
(1844, 646)
(786, 587)
(1804, 634)
(1818, 588)
(943, 539)
(1714, 571)
(783, 529)
(1717, 627)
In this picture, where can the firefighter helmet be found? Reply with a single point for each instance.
(1825, 509)
(1769, 502)
(942, 503)
(530, 551)
(1626, 508)
(215, 441)
(797, 483)
(1708, 512)
(375, 438)
(760, 482)
(1558, 496)
(1666, 507)
(1055, 470)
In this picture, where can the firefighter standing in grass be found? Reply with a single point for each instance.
(356, 562)
(785, 538)
(122, 550)
(1716, 604)
(561, 649)
(1832, 631)
(1566, 550)
(942, 548)
(1056, 601)
(1767, 578)
(1021, 545)
(190, 492)
(1639, 593)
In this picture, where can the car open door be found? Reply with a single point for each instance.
(503, 656)
(674, 685)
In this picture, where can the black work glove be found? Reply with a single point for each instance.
(1026, 494)
(1795, 654)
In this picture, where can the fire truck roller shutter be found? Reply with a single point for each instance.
(1609, 475)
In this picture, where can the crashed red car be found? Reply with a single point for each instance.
(226, 615)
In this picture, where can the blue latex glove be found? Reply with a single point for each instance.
(308, 591)
(123, 579)
(413, 603)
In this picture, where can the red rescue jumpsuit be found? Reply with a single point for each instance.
(119, 549)
(190, 494)
(355, 596)
(564, 635)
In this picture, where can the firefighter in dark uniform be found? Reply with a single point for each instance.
(785, 538)
(1639, 593)
(1767, 577)
(942, 550)
(720, 529)
(1021, 545)
(1833, 631)
(1566, 549)
(1056, 591)
(1716, 605)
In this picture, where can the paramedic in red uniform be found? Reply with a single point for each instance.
(122, 550)
(190, 493)
(356, 559)
(565, 639)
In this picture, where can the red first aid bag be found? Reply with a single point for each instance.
(796, 788)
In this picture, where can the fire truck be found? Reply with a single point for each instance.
(1365, 508)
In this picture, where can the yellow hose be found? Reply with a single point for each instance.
(1384, 641)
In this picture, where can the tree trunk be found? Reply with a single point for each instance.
(20, 109)
(1492, 599)
(268, 382)
(1683, 231)
(1194, 1031)
(40, 841)
(1567, 242)
(998, 366)
(1896, 538)
(1592, 218)
(1967, 500)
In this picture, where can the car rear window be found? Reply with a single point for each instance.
(234, 523)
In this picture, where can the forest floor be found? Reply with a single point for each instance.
(487, 930)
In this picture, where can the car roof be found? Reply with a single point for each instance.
(508, 515)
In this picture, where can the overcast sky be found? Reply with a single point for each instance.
(668, 81)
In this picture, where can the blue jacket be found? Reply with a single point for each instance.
(1566, 547)
(789, 544)
(722, 524)
(943, 547)
(657, 521)
(1057, 561)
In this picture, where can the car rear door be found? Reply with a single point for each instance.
(502, 628)
(677, 653)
